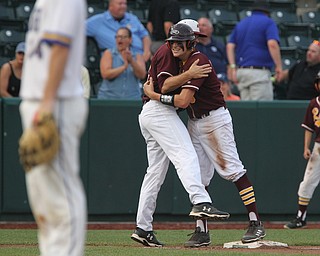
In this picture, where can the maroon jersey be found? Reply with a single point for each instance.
(163, 65)
(312, 118)
(208, 95)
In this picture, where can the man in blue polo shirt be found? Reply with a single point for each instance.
(253, 50)
(103, 27)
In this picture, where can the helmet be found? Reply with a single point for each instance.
(194, 25)
(181, 32)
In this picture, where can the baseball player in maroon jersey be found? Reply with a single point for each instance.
(311, 178)
(210, 127)
(168, 140)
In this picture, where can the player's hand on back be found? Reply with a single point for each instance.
(199, 71)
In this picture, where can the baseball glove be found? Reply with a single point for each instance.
(39, 143)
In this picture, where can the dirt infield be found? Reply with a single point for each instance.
(158, 225)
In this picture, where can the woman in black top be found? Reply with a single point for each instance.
(10, 75)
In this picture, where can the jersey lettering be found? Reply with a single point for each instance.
(316, 118)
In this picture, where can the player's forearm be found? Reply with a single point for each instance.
(174, 82)
(307, 139)
(181, 100)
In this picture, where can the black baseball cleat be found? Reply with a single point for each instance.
(296, 223)
(254, 233)
(147, 238)
(207, 211)
(198, 239)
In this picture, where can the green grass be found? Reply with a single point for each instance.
(20, 242)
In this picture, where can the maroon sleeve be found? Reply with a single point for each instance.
(312, 113)
(163, 65)
(195, 83)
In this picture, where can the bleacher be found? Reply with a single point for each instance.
(298, 23)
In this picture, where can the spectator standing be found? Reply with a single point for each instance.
(210, 46)
(226, 88)
(55, 48)
(11, 72)
(104, 26)
(253, 50)
(161, 16)
(121, 70)
(311, 178)
(300, 77)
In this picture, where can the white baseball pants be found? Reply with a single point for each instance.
(55, 190)
(311, 175)
(167, 140)
(214, 142)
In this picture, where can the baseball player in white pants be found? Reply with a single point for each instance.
(55, 46)
(167, 140)
(210, 128)
(311, 178)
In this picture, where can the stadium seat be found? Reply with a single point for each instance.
(205, 5)
(244, 13)
(4, 60)
(280, 16)
(289, 23)
(284, 5)
(23, 11)
(94, 9)
(140, 13)
(243, 5)
(223, 15)
(191, 12)
(313, 19)
(288, 62)
(101, 4)
(302, 42)
(9, 36)
(289, 52)
(224, 20)
(7, 12)
(17, 25)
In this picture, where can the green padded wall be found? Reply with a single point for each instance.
(113, 160)
(14, 189)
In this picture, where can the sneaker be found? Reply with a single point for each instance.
(254, 233)
(296, 223)
(198, 239)
(207, 211)
(146, 238)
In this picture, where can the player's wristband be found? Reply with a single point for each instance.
(167, 99)
(232, 66)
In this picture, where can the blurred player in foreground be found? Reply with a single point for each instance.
(51, 84)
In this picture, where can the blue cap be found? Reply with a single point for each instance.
(21, 47)
(222, 77)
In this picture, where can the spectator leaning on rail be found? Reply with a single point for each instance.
(300, 77)
(253, 49)
(103, 27)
